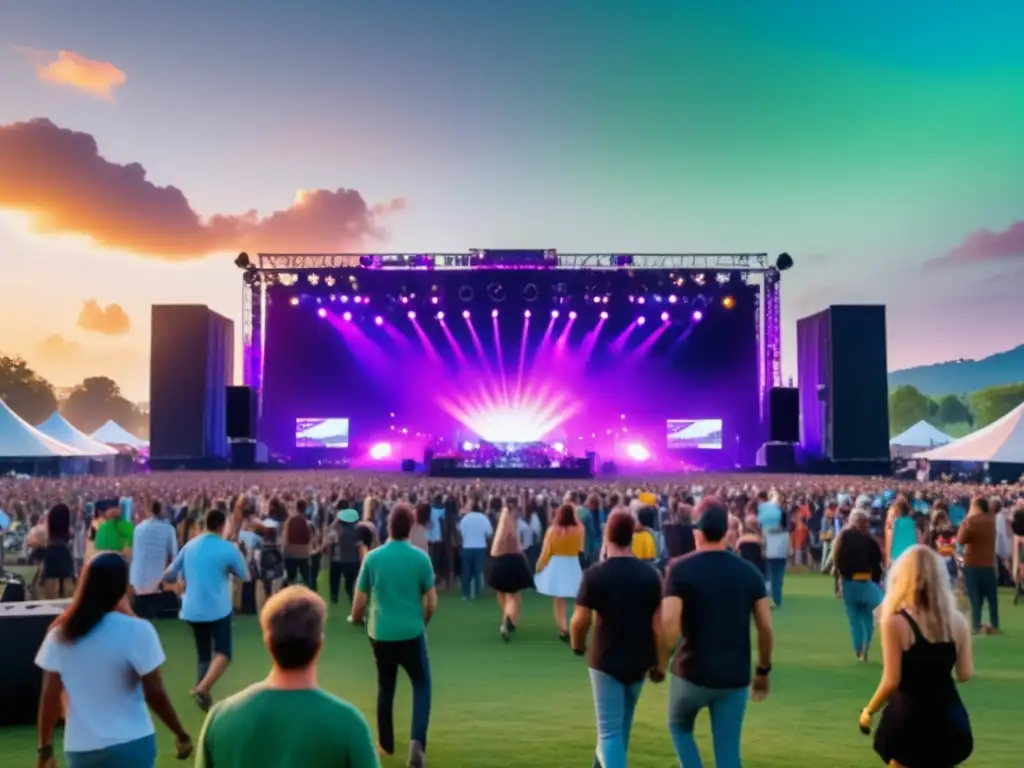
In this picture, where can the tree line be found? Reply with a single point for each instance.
(955, 414)
(89, 405)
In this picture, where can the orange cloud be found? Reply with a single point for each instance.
(56, 347)
(110, 320)
(60, 179)
(95, 78)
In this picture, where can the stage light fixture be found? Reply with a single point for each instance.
(728, 302)
(465, 314)
(294, 301)
(344, 299)
(466, 293)
(531, 292)
(664, 317)
(641, 320)
(494, 313)
(572, 315)
(404, 299)
(319, 300)
(321, 313)
(440, 316)
(699, 278)
(604, 315)
(313, 279)
(597, 299)
(378, 320)
(559, 447)
(554, 314)
(632, 299)
(347, 317)
(496, 292)
(698, 316)
(673, 299)
(366, 299)
(527, 314)
(242, 261)
(604, 299)
(784, 262)
(412, 315)
(641, 300)
(358, 299)
(657, 298)
(329, 281)
(637, 452)
(434, 299)
(722, 278)
(332, 297)
(380, 451)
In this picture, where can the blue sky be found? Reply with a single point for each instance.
(867, 140)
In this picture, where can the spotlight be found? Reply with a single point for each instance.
(664, 317)
(604, 299)
(554, 313)
(344, 299)
(637, 452)
(440, 316)
(321, 313)
(294, 301)
(313, 279)
(378, 320)
(572, 315)
(465, 314)
(494, 313)
(604, 315)
(527, 314)
(332, 297)
(641, 320)
(597, 299)
(329, 280)
(380, 451)
(641, 300)
(358, 299)
(728, 302)
(434, 299)
(404, 299)
(366, 299)
(698, 316)
(347, 317)
(412, 315)
(784, 262)
(673, 299)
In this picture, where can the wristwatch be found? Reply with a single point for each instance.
(45, 753)
(764, 671)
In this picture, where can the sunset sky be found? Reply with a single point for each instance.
(143, 145)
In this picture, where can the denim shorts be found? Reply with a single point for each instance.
(140, 753)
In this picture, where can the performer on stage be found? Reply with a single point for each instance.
(510, 572)
(558, 569)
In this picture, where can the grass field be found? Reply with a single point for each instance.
(528, 704)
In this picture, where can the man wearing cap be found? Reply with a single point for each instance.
(709, 598)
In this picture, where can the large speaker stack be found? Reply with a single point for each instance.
(22, 629)
(782, 429)
(844, 391)
(241, 426)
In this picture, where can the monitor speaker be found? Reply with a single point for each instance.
(241, 413)
(782, 415)
(408, 465)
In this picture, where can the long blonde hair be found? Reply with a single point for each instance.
(506, 535)
(919, 583)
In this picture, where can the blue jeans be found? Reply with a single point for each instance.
(614, 705)
(472, 572)
(860, 598)
(140, 753)
(776, 571)
(410, 655)
(727, 707)
(982, 586)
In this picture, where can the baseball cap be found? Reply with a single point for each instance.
(713, 522)
(348, 516)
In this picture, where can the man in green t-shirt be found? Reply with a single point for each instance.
(287, 720)
(115, 533)
(397, 580)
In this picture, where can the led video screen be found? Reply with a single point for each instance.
(321, 433)
(689, 434)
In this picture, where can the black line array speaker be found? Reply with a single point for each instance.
(241, 413)
(782, 414)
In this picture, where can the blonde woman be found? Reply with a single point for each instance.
(558, 569)
(510, 573)
(924, 639)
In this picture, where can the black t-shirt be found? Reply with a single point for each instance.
(625, 593)
(718, 590)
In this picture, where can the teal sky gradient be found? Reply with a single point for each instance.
(866, 139)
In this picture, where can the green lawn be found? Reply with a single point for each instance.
(528, 704)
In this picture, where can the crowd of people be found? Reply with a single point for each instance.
(666, 576)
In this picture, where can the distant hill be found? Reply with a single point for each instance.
(963, 376)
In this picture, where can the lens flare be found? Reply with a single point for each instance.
(637, 452)
(380, 451)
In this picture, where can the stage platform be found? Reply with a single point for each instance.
(442, 468)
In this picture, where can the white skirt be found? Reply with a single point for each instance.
(561, 577)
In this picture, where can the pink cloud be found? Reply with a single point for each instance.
(99, 79)
(985, 245)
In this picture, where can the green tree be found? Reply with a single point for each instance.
(995, 402)
(907, 406)
(953, 410)
(96, 401)
(26, 392)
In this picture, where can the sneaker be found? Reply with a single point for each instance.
(417, 755)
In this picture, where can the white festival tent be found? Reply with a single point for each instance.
(1001, 442)
(61, 429)
(20, 440)
(113, 433)
(921, 435)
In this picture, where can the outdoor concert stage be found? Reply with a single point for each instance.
(642, 362)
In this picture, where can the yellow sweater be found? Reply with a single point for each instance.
(560, 542)
(644, 547)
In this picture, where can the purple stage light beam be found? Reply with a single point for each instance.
(496, 330)
(590, 340)
(644, 348)
(453, 343)
(476, 344)
(425, 342)
(618, 345)
(522, 354)
(562, 342)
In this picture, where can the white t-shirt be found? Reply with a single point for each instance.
(475, 529)
(100, 673)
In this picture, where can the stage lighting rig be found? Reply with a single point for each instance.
(466, 293)
(329, 281)
(313, 278)
(531, 292)
(496, 292)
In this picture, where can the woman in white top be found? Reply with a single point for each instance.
(106, 661)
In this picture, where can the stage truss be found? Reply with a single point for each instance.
(284, 268)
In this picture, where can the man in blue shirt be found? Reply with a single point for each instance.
(207, 564)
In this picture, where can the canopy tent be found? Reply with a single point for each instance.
(20, 440)
(60, 429)
(113, 433)
(921, 435)
(1000, 442)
